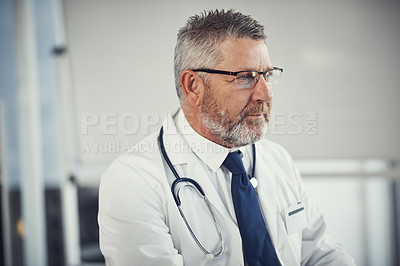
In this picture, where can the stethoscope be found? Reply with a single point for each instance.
(195, 186)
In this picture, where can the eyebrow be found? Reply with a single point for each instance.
(253, 69)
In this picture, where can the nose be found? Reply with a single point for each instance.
(262, 91)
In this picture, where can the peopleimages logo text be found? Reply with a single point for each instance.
(127, 123)
(103, 132)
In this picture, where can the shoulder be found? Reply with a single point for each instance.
(142, 163)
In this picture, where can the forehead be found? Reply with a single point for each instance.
(243, 54)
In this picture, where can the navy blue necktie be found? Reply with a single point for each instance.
(257, 245)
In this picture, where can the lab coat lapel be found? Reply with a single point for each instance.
(267, 196)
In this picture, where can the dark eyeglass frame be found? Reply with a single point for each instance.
(223, 72)
(230, 73)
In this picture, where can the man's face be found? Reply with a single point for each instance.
(237, 117)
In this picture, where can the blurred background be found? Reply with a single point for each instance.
(83, 80)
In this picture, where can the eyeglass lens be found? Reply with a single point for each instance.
(248, 79)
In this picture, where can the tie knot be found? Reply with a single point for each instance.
(234, 163)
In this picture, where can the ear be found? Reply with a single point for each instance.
(192, 86)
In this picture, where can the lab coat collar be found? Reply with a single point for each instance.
(177, 149)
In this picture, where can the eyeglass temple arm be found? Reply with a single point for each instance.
(215, 71)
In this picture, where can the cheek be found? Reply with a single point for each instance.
(232, 100)
(235, 102)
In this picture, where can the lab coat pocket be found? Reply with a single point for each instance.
(289, 244)
(295, 218)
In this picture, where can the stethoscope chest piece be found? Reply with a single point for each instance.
(254, 182)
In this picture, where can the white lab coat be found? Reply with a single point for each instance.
(141, 225)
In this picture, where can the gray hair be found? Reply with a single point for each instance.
(197, 41)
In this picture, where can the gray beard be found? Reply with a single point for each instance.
(238, 135)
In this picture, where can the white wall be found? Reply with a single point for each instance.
(340, 59)
(359, 215)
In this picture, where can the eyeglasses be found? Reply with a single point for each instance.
(247, 79)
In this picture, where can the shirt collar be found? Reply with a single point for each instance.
(211, 153)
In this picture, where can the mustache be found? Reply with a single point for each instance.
(256, 109)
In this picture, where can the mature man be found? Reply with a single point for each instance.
(183, 196)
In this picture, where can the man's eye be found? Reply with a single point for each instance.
(245, 77)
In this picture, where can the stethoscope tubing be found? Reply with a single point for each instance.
(194, 184)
